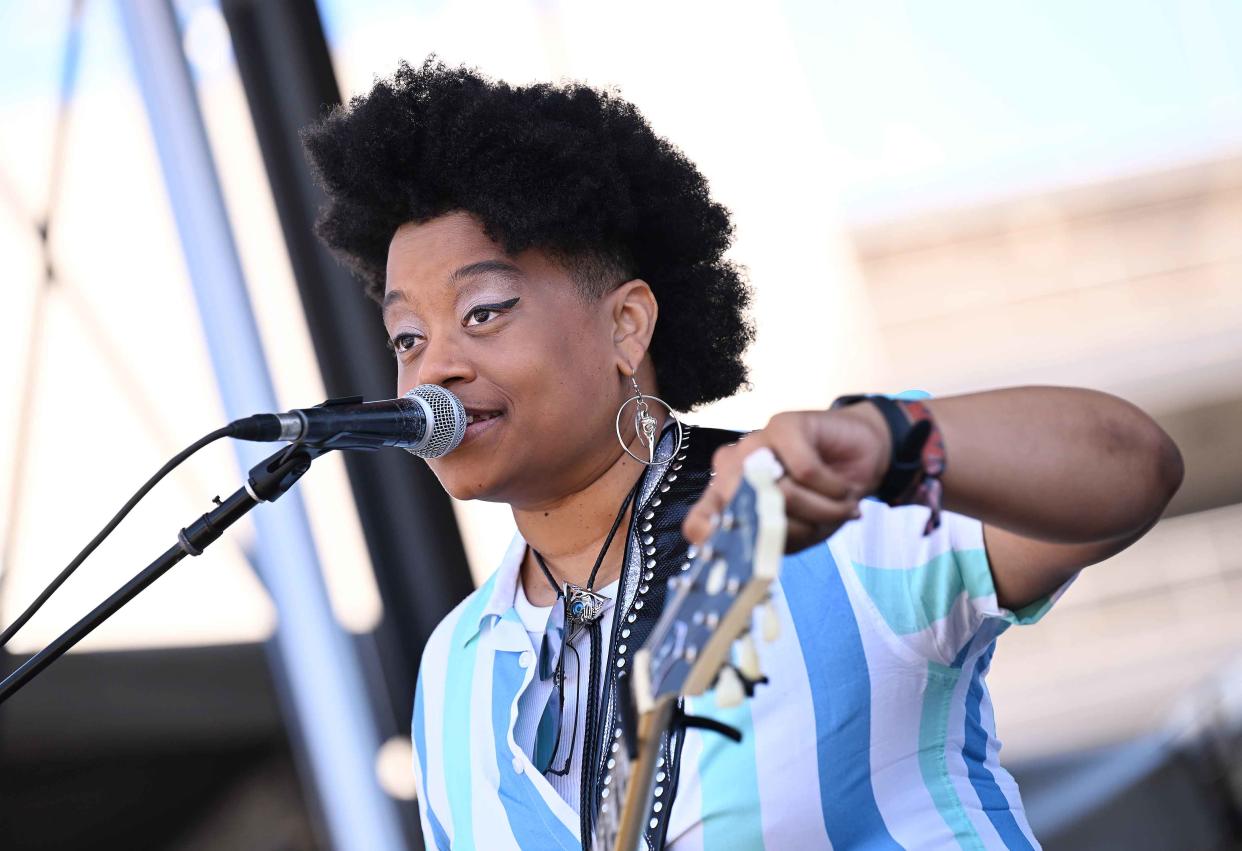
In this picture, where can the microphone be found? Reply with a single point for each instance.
(428, 421)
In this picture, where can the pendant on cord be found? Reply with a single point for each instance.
(582, 605)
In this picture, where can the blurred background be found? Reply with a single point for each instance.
(948, 196)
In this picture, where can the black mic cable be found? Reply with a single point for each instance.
(427, 421)
(47, 592)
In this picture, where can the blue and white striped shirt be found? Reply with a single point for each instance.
(875, 730)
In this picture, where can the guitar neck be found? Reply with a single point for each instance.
(624, 813)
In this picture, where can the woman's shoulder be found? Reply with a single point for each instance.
(493, 596)
(456, 629)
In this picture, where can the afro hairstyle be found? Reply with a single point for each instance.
(566, 169)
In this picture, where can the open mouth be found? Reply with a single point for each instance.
(479, 421)
(480, 416)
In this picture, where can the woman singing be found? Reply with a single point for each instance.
(540, 252)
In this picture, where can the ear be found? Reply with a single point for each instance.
(633, 309)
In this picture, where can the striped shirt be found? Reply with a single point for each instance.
(536, 696)
(875, 730)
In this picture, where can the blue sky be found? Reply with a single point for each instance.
(926, 101)
(983, 93)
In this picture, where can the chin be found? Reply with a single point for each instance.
(465, 481)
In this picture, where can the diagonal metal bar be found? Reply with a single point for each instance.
(68, 84)
(153, 420)
(323, 687)
(12, 198)
(21, 441)
(64, 109)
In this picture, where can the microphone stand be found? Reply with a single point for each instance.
(268, 480)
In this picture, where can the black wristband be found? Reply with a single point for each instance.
(905, 465)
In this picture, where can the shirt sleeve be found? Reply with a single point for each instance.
(434, 835)
(933, 592)
(424, 813)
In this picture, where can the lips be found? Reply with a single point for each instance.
(480, 421)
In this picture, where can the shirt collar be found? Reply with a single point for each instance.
(503, 588)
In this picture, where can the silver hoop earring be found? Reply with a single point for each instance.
(645, 426)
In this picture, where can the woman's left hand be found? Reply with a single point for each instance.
(832, 459)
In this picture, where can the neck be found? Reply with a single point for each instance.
(570, 530)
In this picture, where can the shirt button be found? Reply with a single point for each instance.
(517, 765)
(526, 659)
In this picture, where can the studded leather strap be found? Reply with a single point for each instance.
(656, 530)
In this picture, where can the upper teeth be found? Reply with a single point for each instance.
(474, 418)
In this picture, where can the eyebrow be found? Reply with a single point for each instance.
(485, 267)
(470, 270)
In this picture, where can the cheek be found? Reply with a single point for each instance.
(577, 378)
(406, 376)
(556, 363)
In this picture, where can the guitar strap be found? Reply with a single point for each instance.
(656, 530)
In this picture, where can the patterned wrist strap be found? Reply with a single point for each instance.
(918, 458)
(926, 489)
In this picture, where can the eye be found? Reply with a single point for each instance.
(480, 315)
(484, 313)
(403, 343)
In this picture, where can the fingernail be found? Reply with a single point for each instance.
(714, 521)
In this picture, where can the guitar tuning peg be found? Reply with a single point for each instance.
(729, 689)
(716, 576)
(748, 658)
(771, 622)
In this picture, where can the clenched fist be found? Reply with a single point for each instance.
(832, 459)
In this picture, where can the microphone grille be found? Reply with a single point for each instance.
(448, 421)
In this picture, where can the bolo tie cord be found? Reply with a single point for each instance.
(599, 559)
(594, 640)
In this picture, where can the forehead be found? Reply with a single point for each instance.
(437, 247)
(440, 256)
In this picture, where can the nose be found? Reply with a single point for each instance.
(443, 361)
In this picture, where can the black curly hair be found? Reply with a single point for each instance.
(568, 169)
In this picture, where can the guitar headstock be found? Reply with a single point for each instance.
(712, 600)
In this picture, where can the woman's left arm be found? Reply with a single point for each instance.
(1060, 477)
